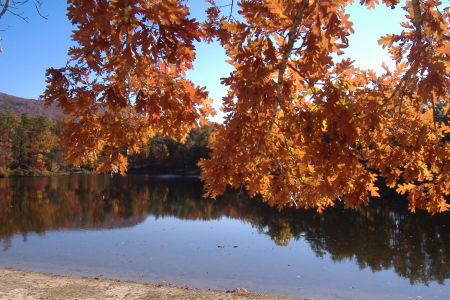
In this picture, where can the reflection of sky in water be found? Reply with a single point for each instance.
(203, 254)
(169, 250)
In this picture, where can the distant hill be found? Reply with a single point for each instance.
(31, 107)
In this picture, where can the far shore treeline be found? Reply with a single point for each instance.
(30, 146)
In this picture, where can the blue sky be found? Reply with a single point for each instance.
(30, 48)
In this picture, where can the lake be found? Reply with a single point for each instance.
(160, 230)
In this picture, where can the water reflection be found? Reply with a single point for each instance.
(381, 236)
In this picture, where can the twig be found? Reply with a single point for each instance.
(37, 5)
(231, 9)
(12, 7)
(5, 8)
(20, 15)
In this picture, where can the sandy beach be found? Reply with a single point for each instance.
(17, 285)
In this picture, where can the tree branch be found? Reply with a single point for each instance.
(282, 69)
(5, 8)
(287, 53)
(231, 9)
(12, 6)
(37, 5)
(291, 41)
(417, 18)
(284, 60)
(20, 15)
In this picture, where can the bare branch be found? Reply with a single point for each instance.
(20, 15)
(12, 6)
(231, 9)
(37, 5)
(5, 8)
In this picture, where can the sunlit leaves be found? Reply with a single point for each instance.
(303, 127)
(125, 81)
(328, 130)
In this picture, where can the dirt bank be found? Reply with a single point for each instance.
(16, 284)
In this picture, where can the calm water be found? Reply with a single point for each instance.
(160, 230)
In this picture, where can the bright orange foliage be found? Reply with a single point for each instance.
(302, 128)
(125, 81)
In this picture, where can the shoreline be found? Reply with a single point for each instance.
(19, 284)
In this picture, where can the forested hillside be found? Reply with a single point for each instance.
(31, 107)
(30, 144)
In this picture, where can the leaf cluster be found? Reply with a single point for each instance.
(302, 128)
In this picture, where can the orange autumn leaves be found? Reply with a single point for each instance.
(125, 80)
(303, 127)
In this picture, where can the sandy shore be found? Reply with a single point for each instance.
(27, 285)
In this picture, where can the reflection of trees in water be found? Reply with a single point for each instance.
(381, 236)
